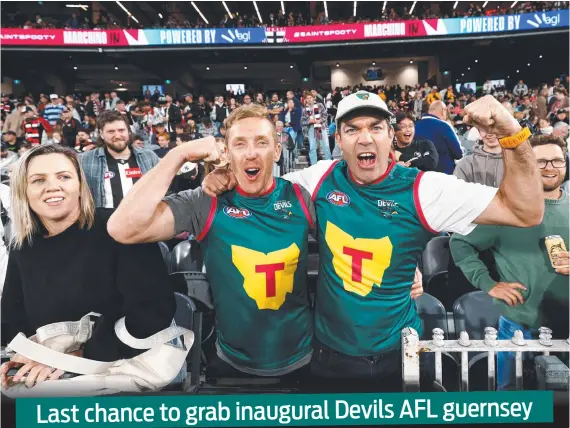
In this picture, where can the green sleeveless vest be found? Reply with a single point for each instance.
(255, 253)
(371, 238)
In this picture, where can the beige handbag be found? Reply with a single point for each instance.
(150, 371)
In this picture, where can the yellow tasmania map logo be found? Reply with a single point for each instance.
(267, 278)
(359, 262)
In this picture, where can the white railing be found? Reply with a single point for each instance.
(412, 346)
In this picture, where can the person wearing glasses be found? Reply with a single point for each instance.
(530, 291)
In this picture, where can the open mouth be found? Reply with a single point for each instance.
(366, 159)
(407, 136)
(54, 201)
(252, 173)
(550, 176)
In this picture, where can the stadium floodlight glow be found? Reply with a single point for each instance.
(540, 56)
(337, 64)
(412, 9)
(326, 9)
(354, 9)
(283, 7)
(373, 62)
(228, 10)
(515, 2)
(463, 74)
(75, 67)
(291, 66)
(468, 68)
(207, 68)
(257, 10)
(116, 68)
(528, 65)
(199, 12)
(518, 71)
(485, 4)
(160, 15)
(455, 5)
(384, 7)
(81, 6)
(476, 60)
(127, 11)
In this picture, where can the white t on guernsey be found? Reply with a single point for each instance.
(448, 203)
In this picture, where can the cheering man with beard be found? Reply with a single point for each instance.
(410, 152)
(112, 169)
(530, 291)
(374, 221)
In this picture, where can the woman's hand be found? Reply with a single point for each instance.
(30, 372)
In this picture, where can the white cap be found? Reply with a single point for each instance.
(53, 96)
(360, 100)
(187, 167)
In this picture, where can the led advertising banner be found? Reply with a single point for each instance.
(540, 21)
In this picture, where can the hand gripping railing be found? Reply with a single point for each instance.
(412, 346)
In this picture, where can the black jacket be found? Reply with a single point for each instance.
(174, 116)
(419, 148)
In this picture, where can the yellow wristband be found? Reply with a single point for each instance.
(515, 140)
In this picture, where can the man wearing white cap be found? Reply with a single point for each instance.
(374, 221)
(52, 112)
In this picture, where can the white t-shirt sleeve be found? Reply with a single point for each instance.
(449, 204)
(310, 178)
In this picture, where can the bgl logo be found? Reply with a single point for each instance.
(552, 20)
(235, 212)
(338, 198)
(233, 35)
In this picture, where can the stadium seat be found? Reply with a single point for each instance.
(186, 316)
(473, 312)
(433, 315)
(186, 257)
(435, 258)
(435, 262)
(165, 253)
(198, 289)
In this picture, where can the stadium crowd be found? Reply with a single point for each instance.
(138, 155)
(422, 10)
(161, 121)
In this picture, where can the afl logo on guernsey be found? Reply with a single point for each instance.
(338, 198)
(236, 212)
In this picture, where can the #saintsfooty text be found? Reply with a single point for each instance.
(286, 413)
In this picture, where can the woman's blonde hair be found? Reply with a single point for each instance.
(25, 222)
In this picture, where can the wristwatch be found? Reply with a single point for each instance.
(513, 141)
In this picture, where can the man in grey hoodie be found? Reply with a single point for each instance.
(484, 165)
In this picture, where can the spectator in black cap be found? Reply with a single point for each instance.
(410, 152)
(69, 127)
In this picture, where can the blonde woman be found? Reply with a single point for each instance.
(63, 265)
